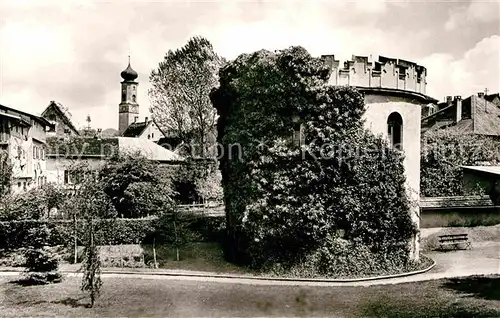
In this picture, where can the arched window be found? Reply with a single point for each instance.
(395, 130)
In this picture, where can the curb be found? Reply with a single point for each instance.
(259, 278)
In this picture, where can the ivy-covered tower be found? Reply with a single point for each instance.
(129, 108)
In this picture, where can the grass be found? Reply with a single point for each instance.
(156, 297)
(208, 257)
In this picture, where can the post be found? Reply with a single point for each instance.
(92, 293)
(76, 238)
(154, 253)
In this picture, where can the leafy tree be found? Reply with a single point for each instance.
(285, 198)
(210, 188)
(174, 228)
(135, 185)
(54, 196)
(443, 152)
(180, 93)
(91, 204)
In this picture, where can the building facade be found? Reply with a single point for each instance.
(394, 92)
(59, 117)
(145, 129)
(23, 141)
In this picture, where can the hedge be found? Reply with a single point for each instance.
(14, 234)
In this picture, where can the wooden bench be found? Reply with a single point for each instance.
(454, 241)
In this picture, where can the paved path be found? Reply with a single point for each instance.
(483, 259)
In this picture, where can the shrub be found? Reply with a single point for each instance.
(283, 199)
(41, 264)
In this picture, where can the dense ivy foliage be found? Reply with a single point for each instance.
(283, 200)
(443, 153)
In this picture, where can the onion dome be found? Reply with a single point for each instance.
(129, 75)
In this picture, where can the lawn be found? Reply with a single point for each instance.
(133, 297)
(206, 256)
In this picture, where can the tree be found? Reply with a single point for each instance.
(444, 152)
(174, 228)
(209, 187)
(135, 185)
(91, 204)
(285, 197)
(180, 91)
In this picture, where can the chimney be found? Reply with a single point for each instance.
(146, 120)
(135, 119)
(458, 108)
(449, 100)
(480, 94)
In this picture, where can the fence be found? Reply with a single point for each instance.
(207, 209)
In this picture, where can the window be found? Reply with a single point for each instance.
(395, 131)
(19, 184)
(152, 135)
(24, 185)
(133, 98)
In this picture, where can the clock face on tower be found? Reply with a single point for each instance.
(134, 109)
(123, 109)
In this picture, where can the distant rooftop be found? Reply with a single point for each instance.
(90, 147)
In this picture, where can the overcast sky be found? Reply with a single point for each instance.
(73, 51)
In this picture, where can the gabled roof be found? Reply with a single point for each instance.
(12, 111)
(58, 109)
(491, 97)
(147, 148)
(136, 129)
(90, 147)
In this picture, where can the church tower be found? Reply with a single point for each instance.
(129, 109)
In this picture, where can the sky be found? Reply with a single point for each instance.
(72, 51)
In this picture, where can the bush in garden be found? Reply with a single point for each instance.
(135, 186)
(284, 199)
(443, 152)
(41, 264)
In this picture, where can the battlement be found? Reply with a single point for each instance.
(386, 72)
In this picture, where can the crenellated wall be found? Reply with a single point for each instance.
(384, 73)
(390, 87)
